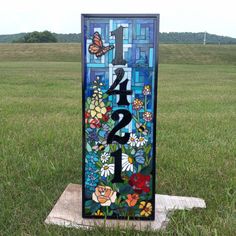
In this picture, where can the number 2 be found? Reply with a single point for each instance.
(127, 117)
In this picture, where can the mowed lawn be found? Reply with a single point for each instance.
(40, 137)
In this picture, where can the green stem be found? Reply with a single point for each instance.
(134, 117)
(107, 211)
(145, 102)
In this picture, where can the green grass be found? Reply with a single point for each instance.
(169, 53)
(40, 140)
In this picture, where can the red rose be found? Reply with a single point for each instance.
(94, 123)
(140, 183)
(87, 115)
(109, 108)
(105, 118)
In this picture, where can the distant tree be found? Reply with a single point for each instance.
(47, 36)
(38, 37)
(172, 37)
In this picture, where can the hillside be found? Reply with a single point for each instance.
(8, 38)
(172, 37)
(68, 38)
(169, 53)
(195, 38)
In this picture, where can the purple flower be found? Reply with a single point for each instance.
(92, 134)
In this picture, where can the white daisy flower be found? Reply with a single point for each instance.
(132, 140)
(127, 163)
(104, 157)
(141, 141)
(107, 169)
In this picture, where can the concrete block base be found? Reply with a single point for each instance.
(68, 211)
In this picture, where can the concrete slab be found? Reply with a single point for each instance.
(68, 211)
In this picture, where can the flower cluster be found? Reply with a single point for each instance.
(137, 104)
(136, 141)
(91, 177)
(147, 116)
(97, 112)
(107, 169)
(147, 90)
(140, 182)
(146, 208)
(104, 195)
(103, 198)
(132, 199)
(105, 157)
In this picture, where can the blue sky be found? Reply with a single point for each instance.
(63, 16)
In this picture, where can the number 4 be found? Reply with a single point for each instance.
(123, 92)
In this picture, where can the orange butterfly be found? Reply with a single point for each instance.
(97, 47)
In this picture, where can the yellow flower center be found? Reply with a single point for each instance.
(106, 167)
(130, 160)
(147, 209)
(141, 139)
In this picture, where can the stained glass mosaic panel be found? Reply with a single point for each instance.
(119, 115)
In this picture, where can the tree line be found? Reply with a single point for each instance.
(37, 37)
(172, 37)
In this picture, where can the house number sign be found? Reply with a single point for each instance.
(119, 73)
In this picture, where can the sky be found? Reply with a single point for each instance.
(63, 16)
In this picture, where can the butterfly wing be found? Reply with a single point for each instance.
(94, 49)
(104, 50)
(97, 47)
(97, 40)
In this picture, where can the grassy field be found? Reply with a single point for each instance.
(40, 136)
(169, 53)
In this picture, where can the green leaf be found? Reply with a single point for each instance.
(107, 148)
(105, 96)
(89, 100)
(123, 149)
(88, 203)
(110, 213)
(113, 206)
(94, 207)
(111, 123)
(148, 148)
(125, 189)
(87, 103)
(146, 170)
(99, 164)
(88, 147)
(132, 151)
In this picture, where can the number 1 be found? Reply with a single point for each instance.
(118, 60)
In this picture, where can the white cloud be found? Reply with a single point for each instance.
(64, 16)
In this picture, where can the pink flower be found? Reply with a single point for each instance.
(94, 123)
(147, 90)
(137, 104)
(147, 116)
